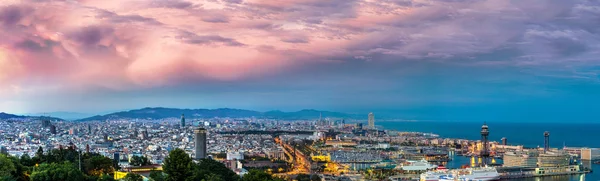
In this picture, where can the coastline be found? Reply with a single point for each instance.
(469, 131)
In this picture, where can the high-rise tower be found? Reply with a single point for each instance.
(546, 141)
(52, 129)
(371, 121)
(485, 154)
(116, 159)
(504, 142)
(321, 120)
(182, 121)
(200, 143)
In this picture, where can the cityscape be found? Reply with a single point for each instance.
(299, 90)
(324, 148)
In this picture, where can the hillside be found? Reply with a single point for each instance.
(4, 116)
(161, 113)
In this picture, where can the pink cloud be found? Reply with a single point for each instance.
(120, 43)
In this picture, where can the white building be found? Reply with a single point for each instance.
(371, 121)
(383, 145)
(235, 155)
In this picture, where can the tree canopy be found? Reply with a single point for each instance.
(63, 165)
(256, 175)
(157, 175)
(178, 165)
(56, 164)
(97, 165)
(133, 177)
(213, 177)
(7, 167)
(139, 161)
(57, 171)
(206, 167)
(106, 177)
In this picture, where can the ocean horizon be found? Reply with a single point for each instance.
(528, 134)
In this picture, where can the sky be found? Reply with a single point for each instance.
(421, 59)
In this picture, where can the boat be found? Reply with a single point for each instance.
(479, 174)
(421, 165)
(385, 164)
(447, 178)
(468, 174)
(433, 175)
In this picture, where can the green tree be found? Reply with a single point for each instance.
(257, 175)
(206, 167)
(7, 167)
(39, 153)
(139, 161)
(62, 155)
(212, 177)
(21, 172)
(106, 177)
(7, 178)
(26, 160)
(39, 156)
(98, 165)
(157, 175)
(57, 172)
(178, 165)
(133, 177)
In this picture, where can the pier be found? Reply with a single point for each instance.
(360, 162)
(513, 173)
(515, 176)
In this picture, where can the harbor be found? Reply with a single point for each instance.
(381, 154)
(481, 161)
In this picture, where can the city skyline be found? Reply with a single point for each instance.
(442, 60)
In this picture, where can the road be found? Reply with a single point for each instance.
(298, 159)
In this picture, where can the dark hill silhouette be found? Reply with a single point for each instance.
(12, 116)
(161, 113)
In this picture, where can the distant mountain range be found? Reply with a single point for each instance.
(64, 115)
(12, 116)
(9, 116)
(161, 113)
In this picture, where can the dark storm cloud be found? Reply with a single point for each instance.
(175, 4)
(134, 18)
(11, 15)
(115, 18)
(91, 35)
(216, 19)
(234, 1)
(313, 21)
(192, 38)
(29, 45)
(295, 39)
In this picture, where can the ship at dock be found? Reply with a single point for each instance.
(421, 165)
(467, 174)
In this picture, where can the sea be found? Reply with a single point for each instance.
(528, 134)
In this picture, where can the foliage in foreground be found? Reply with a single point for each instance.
(63, 165)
